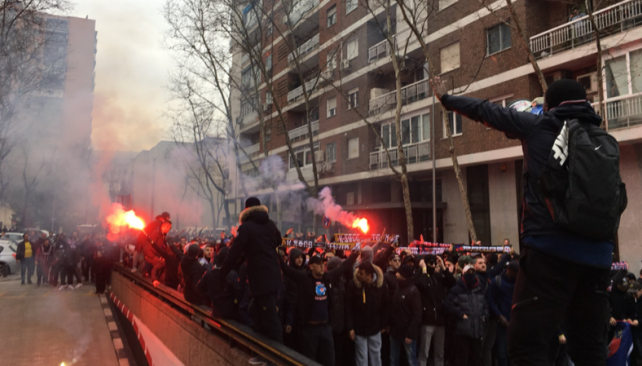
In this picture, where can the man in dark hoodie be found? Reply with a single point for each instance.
(337, 296)
(367, 304)
(297, 262)
(405, 317)
(223, 293)
(561, 274)
(500, 301)
(192, 272)
(313, 306)
(257, 239)
(467, 306)
(433, 284)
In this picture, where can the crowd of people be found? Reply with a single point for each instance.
(58, 260)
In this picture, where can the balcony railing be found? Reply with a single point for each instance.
(249, 151)
(307, 47)
(295, 94)
(419, 151)
(301, 133)
(380, 50)
(299, 9)
(409, 94)
(610, 20)
(622, 113)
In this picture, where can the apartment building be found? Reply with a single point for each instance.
(344, 54)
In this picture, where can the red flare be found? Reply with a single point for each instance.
(362, 224)
(119, 219)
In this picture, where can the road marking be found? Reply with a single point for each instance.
(118, 343)
(107, 312)
(112, 326)
(23, 294)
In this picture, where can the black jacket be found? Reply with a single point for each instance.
(224, 293)
(173, 257)
(433, 289)
(257, 241)
(192, 272)
(306, 285)
(405, 317)
(622, 304)
(367, 307)
(337, 296)
(20, 250)
(464, 299)
(537, 134)
(291, 286)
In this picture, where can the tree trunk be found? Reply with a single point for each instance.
(598, 44)
(524, 42)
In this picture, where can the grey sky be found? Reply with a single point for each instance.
(132, 69)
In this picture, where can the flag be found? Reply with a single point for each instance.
(621, 345)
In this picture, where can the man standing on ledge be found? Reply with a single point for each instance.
(256, 241)
(562, 275)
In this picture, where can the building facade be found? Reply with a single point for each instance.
(345, 57)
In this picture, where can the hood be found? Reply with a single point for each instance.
(258, 214)
(378, 280)
(367, 255)
(294, 254)
(583, 111)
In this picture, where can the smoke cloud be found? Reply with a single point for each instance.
(325, 205)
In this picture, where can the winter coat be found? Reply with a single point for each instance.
(172, 256)
(464, 299)
(367, 307)
(500, 296)
(405, 317)
(192, 272)
(537, 134)
(291, 287)
(257, 240)
(21, 248)
(434, 288)
(390, 280)
(224, 293)
(621, 303)
(337, 295)
(45, 256)
(306, 284)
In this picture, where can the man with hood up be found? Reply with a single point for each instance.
(562, 275)
(256, 241)
(405, 317)
(224, 293)
(297, 262)
(466, 305)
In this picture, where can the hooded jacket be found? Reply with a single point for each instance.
(192, 272)
(500, 296)
(405, 317)
(433, 288)
(291, 286)
(367, 307)
(257, 240)
(467, 299)
(537, 134)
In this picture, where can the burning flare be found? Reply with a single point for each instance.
(119, 219)
(362, 224)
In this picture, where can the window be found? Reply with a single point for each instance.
(268, 97)
(331, 152)
(332, 107)
(303, 156)
(268, 134)
(268, 62)
(455, 126)
(353, 148)
(502, 101)
(413, 130)
(269, 29)
(353, 98)
(443, 4)
(331, 60)
(449, 57)
(332, 15)
(497, 38)
(624, 74)
(352, 49)
(351, 5)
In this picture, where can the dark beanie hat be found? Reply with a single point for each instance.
(315, 259)
(193, 251)
(563, 90)
(252, 201)
(405, 271)
(334, 262)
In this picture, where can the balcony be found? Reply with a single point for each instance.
(380, 50)
(624, 112)
(299, 9)
(307, 47)
(296, 94)
(301, 133)
(419, 151)
(409, 94)
(611, 20)
(249, 151)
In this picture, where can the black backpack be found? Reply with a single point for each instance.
(581, 182)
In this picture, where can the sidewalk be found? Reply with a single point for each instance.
(44, 326)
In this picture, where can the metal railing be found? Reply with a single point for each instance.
(409, 94)
(417, 152)
(310, 86)
(238, 335)
(307, 47)
(301, 133)
(610, 20)
(380, 50)
(299, 9)
(624, 112)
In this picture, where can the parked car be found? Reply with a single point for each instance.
(8, 262)
(17, 237)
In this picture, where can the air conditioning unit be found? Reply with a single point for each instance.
(345, 64)
(319, 156)
(589, 81)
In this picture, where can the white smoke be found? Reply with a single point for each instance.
(325, 205)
